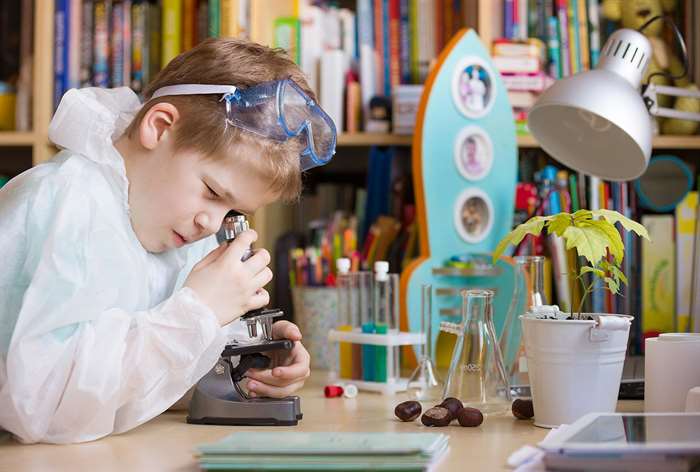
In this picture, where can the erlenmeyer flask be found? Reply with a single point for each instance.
(424, 384)
(477, 376)
(528, 292)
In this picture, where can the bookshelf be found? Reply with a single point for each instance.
(272, 221)
(489, 20)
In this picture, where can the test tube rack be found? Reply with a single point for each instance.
(393, 384)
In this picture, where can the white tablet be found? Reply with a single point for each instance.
(620, 433)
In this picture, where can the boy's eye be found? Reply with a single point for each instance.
(211, 191)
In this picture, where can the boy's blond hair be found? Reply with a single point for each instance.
(228, 61)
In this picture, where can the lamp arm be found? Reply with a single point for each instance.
(651, 92)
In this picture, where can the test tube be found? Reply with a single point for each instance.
(355, 304)
(344, 322)
(365, 309)
(386, 318)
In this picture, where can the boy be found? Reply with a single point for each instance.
(115, 293)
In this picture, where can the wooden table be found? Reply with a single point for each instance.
(167, 442)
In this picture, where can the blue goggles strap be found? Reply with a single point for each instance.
(261, 109)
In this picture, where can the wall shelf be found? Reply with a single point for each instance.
(660, 142)
(374, 139)
(16, 138)
(524, 142)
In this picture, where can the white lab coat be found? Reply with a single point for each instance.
(97, 335)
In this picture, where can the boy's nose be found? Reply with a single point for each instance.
(206, 224)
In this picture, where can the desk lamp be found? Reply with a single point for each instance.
(597, 122)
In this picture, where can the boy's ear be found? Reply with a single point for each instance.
(157, 123)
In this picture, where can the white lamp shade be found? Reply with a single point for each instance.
(596, 121)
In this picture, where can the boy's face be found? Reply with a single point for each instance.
(179, 198)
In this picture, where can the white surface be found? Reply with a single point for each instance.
(654, 437)
(399, 339)
(671, 369)
(571, 374)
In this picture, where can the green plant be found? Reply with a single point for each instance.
(592, 233)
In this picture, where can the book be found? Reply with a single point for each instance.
(532, 47)
(658, 276)
(287, 35)
(23, 106)
(514, 65)
(86, 46)
(522, 99)
(61, 52)
(171, 30)
(537, 82)
(100, 66)
(686, 213)
(230, 19)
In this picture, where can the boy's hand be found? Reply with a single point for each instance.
(229, 286)
(289, 368)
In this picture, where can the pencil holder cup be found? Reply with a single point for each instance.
(315, 313)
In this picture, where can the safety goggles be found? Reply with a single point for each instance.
(277, 110)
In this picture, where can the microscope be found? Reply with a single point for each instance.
(218, 396)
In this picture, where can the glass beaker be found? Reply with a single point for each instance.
(477, 376)
(528, 291)
(424, 384)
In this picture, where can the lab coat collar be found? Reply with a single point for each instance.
(89, 120)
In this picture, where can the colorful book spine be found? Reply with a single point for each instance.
(214, 18)
(394, 44)
(686, 214)
(386, 48)
(116, 65)
(154, 31)
(74, 36)
(171, 35)
(126, 39)
(564, 48)
(100, 67)
(658, 276)
(584, 49)
(189, 24)
(287, 35)
(594, 32)
(508, 23)
(203, 22)
(86, 43)
(139, 44)
(553, 49)
(230, 20)
(405, 45)
(574, 47)
(379, 33)
(413, 35)
(61, 27)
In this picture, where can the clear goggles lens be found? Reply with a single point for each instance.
(277, 110)
(281, 110)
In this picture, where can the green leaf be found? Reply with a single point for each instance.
(630, 225)
(590, 242)
(614, 271)
(588, 269)
(615, 244)
(613, 285)
(618, 274)
(582, 215)
(532, 226)
(559, 223)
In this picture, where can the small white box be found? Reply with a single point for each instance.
(405, 101)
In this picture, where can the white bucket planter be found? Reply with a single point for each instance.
(574, 366)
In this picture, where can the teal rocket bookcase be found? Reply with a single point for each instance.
(464, 171)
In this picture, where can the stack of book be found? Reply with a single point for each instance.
(522, 68)
(323, 451)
